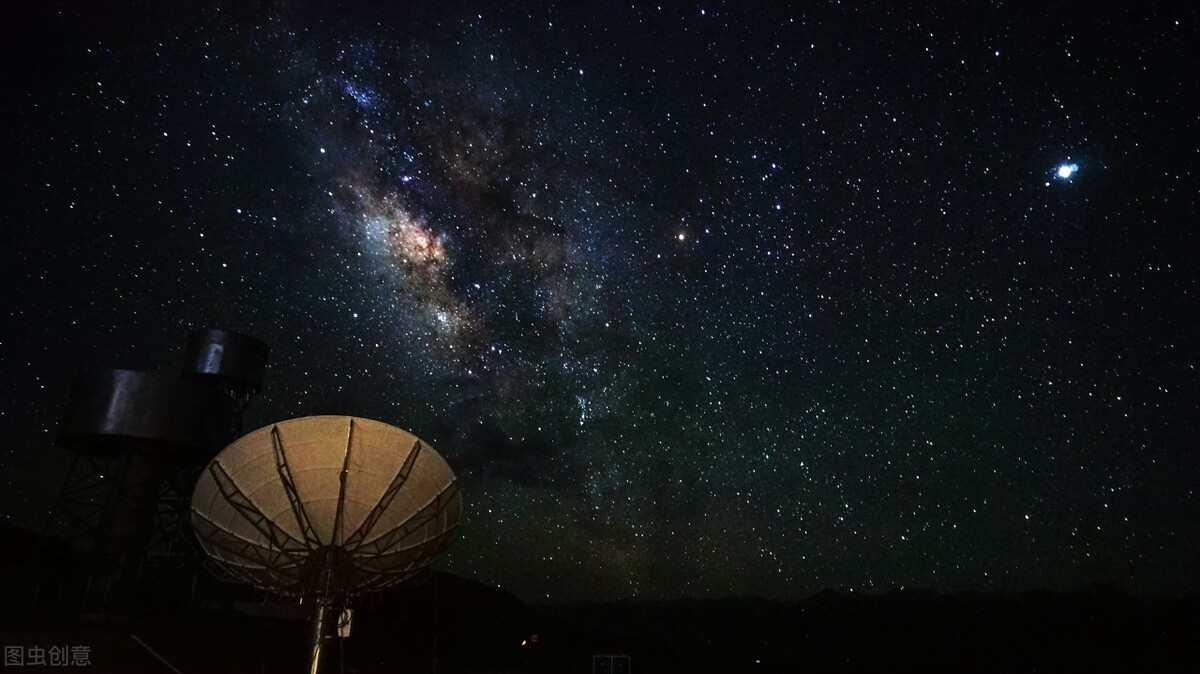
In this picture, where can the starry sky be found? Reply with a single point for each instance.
(729, 299)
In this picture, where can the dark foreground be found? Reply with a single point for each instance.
(446, 624)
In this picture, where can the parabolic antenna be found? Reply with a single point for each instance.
(324, 508)
(325, 505)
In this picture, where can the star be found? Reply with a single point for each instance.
(1065, 171)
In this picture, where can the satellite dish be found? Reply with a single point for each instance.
(324, 508)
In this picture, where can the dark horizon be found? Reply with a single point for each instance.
(741, 300)
(442, 623)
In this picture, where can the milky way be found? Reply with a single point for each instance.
(697, 303)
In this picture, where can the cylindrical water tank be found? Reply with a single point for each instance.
(231, 358)
(109, 411)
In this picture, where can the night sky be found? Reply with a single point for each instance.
(732, 299)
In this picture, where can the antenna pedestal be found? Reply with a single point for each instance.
(317, 640)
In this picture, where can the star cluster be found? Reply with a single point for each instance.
(733, 300)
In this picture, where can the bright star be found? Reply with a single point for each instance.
(1065, 171)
